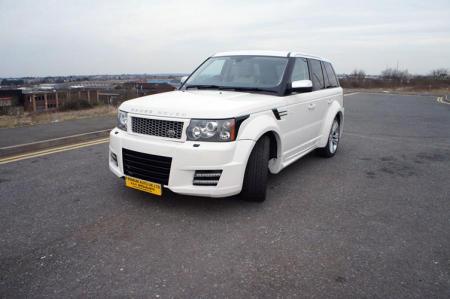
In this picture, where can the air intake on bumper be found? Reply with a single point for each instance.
(207, 177)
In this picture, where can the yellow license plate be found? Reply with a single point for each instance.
(142, 185)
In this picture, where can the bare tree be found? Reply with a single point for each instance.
(358, 75)
(439, 74)
(395, 75)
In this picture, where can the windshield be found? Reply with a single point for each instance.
(239, 72)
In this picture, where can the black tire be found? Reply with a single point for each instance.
(329, 150)
(257, 172)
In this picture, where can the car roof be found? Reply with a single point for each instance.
(269, 53)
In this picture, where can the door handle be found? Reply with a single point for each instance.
(312, 106)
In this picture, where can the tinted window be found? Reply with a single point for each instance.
(300, 71)
(332, 80)
(316, 74)
(325, 75)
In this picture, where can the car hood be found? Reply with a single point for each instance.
(201, 104)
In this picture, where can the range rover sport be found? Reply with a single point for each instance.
(237, 117)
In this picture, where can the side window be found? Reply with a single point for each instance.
(325, 75)
(333, 82)
(300, 71)
(316, 74)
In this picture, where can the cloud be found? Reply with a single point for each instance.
(94, 37)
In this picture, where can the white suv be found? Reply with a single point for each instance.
(238, 116)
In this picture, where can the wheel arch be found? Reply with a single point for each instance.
(258, 127)
(334, 111)
(275, 140)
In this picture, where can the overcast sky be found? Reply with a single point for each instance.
(61, 37)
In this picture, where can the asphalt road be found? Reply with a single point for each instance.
(27, 134)
(371, 222)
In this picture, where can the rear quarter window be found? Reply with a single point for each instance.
(332, 79)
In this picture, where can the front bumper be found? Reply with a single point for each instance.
(230, 157)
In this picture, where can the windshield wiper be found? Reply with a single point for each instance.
(252, 89)
(200, 86)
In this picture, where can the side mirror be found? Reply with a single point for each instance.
(302, 85)
(183, 79)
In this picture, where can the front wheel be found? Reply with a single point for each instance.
(256, 172)
(333, 141)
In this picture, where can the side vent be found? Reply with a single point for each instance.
(276, 113)
(207, 177)
(279, 113)
(282, 113)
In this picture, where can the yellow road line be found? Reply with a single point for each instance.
(54, 139)
(52, 151)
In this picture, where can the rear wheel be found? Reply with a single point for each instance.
(256, 172)
(333, 141)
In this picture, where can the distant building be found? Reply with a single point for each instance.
(10, 99)
(145, 88)
(51, 100)
(47, 99)
(66, 93)
(173, 82)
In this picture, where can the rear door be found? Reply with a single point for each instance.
(332, 84)
(327, 95)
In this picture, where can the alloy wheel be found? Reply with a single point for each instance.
(333, 139)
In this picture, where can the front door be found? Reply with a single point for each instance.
(303, 121)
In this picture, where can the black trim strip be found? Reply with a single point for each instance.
(239, 121)
(276, 113)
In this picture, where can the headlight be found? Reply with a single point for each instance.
(219, 130)
(122, 118)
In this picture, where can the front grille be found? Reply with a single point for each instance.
(146, 167)
(157, 127)
(206, 177)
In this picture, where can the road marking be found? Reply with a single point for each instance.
(350, 94)
(397, 94)
(52, 151)
(442, 101)
(54, 139)
(417, 141)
